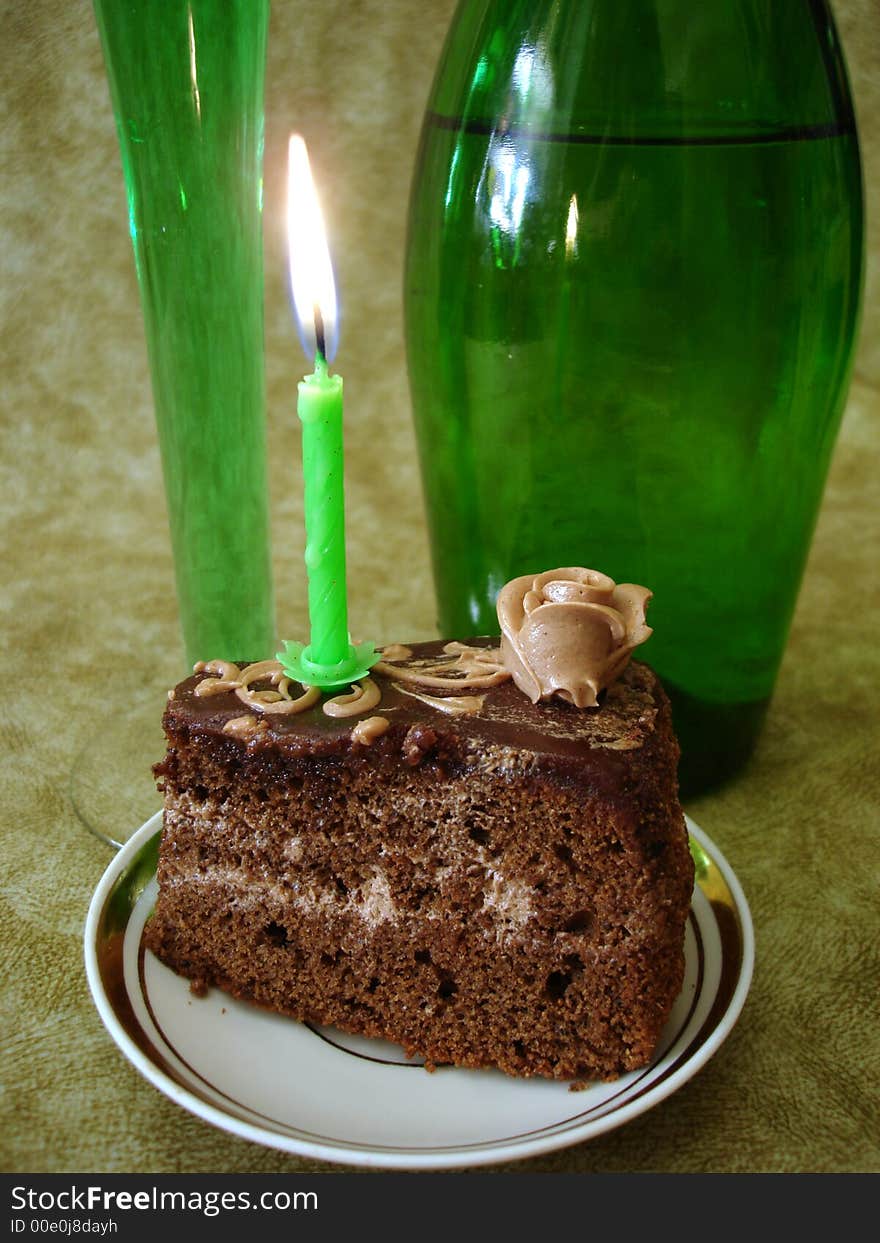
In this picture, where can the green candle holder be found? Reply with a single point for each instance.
(297, 663)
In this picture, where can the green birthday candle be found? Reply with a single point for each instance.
(331, 660)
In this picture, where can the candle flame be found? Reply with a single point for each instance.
(311, 272)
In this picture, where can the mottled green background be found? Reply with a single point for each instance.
(90, 632)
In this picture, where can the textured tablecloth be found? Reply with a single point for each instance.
(90, 629)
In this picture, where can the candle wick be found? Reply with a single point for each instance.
(320, 339)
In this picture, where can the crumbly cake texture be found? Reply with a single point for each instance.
(507, 888)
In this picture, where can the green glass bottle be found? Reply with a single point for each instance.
(186, 79)
(632, 290)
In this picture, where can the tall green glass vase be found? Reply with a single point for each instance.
(632, 292)
(186, 79)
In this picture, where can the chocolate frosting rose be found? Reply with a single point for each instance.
(569, 632)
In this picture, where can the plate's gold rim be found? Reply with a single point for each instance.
(111, 927)
(728, 909)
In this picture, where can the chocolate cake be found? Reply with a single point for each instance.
(450, 856)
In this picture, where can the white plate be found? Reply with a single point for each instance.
(331, 1097)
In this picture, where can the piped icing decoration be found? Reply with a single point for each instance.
(245, 726)
(471, 668)
(228, 677)
(452, 705)
(396, 651)
(363, 696)
(569, 632)
(464, 669)
(370, 729)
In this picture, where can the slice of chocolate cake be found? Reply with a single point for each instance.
(433, 858)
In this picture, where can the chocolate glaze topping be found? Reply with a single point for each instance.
(623, 721)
